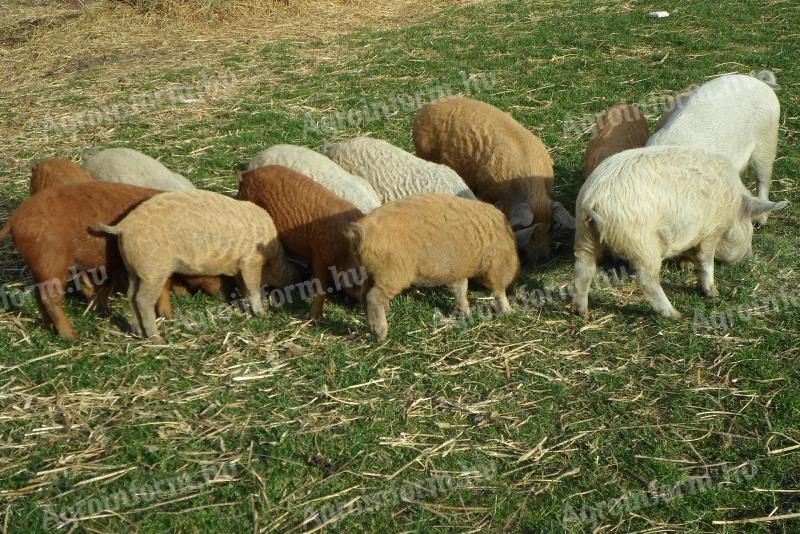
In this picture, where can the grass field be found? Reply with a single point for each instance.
(496, 424)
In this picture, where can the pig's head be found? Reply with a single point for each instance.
(352, 273)
(350, 276)
(736, 243)
(535, 236)
(532, 232)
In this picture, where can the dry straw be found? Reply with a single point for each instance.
(59, 58)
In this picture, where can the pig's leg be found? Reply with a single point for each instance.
(50, 282)
(762, 160)
(497, 279)
(377, 300)
(87, 287)
(136, 318)
(365, 287)
(164, 306)
(704, 267)
(459, 290)
(101, 294)
(55, 307)
(322, 275)
(51, 294)
(649, 274)
(585, 267)
(147, 296)
(501, 304)
(43, 310)
(251, 268)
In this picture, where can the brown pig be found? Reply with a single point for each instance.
(428, 240)
(311, 221)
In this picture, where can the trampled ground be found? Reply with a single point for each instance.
(529, 422)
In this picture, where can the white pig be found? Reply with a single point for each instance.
(735, 116)
(652, 203)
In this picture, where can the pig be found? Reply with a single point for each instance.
(392, 172)
(432, 239)
(322, 170)
(310, 221)
(619, 128)
(736, 116)
(53, 232)
(56, 171)
(197, 233)
(499, 159)
(127, 166)
(657, 202)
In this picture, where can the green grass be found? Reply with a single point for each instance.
(566, 411)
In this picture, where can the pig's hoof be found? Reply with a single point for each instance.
(501, 309)
(671, 314)
(69, 335)
(255, 310)
(712, 292)
(380, 334)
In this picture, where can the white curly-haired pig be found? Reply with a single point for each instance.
(652, 203)
(393, 172)
(322, 170)
(736, 116)
(127, 166)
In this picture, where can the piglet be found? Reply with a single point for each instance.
(197, 233)
(310, 221)
(657, 202)
(432, 239)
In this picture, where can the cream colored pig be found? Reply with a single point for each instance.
(652, 203)
(433, 239)
(197, 233)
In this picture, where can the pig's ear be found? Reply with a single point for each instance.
(562, 218)
(88, 153)
(756, 206)
(521, 215)
(523, 236)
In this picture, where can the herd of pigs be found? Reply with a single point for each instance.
(478, 191)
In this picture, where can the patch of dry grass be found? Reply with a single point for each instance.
(569, 411)
(165, 11)
(59, 58)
